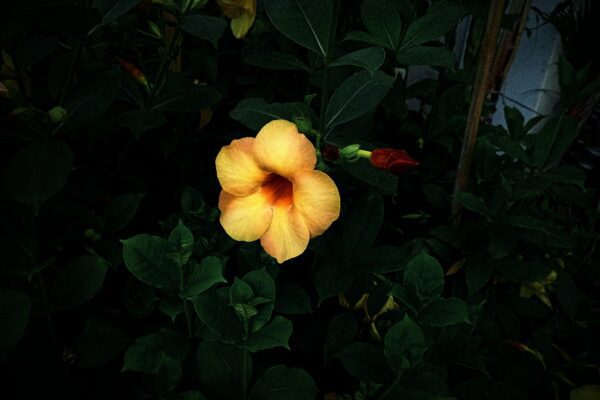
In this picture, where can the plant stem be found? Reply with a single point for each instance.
(71, 73)
(186, 309)
(480, 89)
(164, 66)
(391, 387)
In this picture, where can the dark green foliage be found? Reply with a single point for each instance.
(117, 280)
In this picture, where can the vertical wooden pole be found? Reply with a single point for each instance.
(480, 90)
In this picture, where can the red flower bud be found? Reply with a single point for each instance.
(394, 160)
(134, 71)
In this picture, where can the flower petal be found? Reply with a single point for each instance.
(245, 218)
(279, 148)
(237, 171)
(318, 200)
(287, 236)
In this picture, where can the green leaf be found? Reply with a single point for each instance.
(98, 345)
(146, 258)
(191, 395)
(365, 361)
(110, 10)
(79, 281)
(356, 96)
(146, 353)
(203, 276)
(383, 259)
(291, 299)
(478, 271)
(306, 22)
(445, 312)
(474, 203)
(37, 172)
(121, 210)
(14, 317)
(283, 383)
(181, 244)
(263, 286)
(204, 27)
(172, 307)
(214, 311)
(341, 331)
(275, 334)
(383, 181)
(168, 374)
(91, 97)
(382, 20)
(439, 19)
(426, 55)
(553, 141)
(404, 345)
(255, 113)
(369, 59)
(424, 276)
(276, 60)
(181, 95)
(140, 121)
(221, 368)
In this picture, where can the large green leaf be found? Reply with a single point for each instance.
(365, 361)
(98, 345)
(263, 287)
(383, 22)
(553, 140)
(140, 121)
(37, 172)
(223, 370)
(14, 317)
(204, 27)
(203, 276)
(426, 55)
(283, 383)
(369, 59)
(306, 22)
(439, 19)
(276, 60)
(275, 334)
(404, 345)
(181, 244)
(121, 210)
(356, 96)
(255, 113)
(79, 281)
(145, 354)
(146, 258)
(110, 10)
(214, 311)
(444, 312)
(424, 276)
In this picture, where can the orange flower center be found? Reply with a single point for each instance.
(278, 190)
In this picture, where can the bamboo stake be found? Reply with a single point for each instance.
(480, 90)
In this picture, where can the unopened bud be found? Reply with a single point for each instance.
(350, 152)
(57, 114)
(154, 29)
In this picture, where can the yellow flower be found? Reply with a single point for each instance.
(272, 192)
(241, 13)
